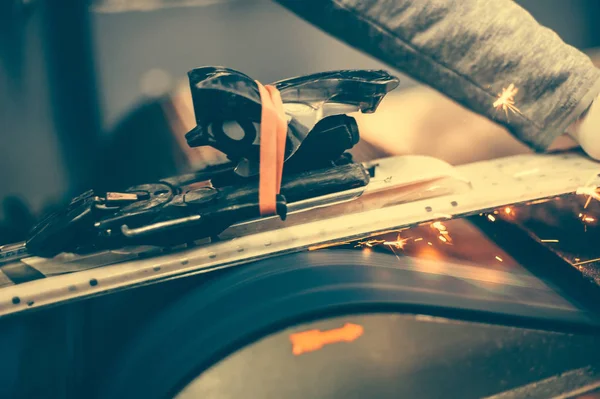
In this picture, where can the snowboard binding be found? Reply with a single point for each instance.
(227, 106)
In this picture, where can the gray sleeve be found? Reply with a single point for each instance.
(470, 50)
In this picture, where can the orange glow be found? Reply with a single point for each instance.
(312, 340)
(507, 210)
(430, 260)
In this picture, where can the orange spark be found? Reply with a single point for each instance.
(506, 100)
(399, 243)
(590, 190)
(499, 259)
(438, 225)
(370, 243)
(586, 262)
(491, 218)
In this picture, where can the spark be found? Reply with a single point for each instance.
(506, 100)
(429, 243)
(369, 243)
(444, 234)
(399, 243)
(586, 262)
(418, 239)
(438, 225)
(394, 252)
(491, 218)
(590, 190)
(508, 210)
(499, 259)
(549, 240)
(586, 220)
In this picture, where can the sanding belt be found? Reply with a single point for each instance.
(273, 134)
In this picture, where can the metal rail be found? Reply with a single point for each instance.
(493, 184)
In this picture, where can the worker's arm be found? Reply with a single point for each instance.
(470, 50)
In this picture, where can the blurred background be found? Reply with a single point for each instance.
(91, 91)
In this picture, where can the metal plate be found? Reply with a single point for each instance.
(493, 184)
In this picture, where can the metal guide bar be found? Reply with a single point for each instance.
(494, 184)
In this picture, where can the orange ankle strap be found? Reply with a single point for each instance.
(273, 134)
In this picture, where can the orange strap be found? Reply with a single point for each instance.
(273, 133)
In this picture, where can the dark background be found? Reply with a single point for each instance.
(52, 115)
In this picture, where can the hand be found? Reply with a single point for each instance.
(586, 130)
